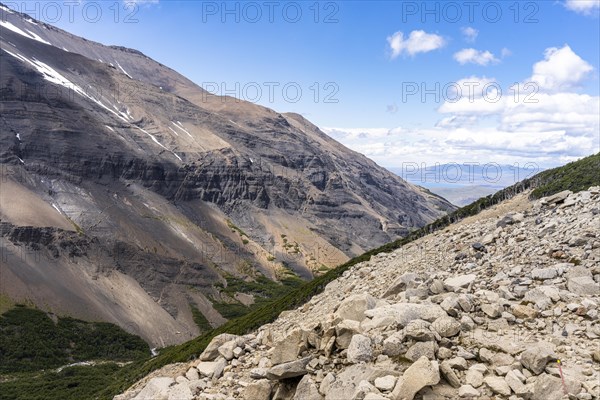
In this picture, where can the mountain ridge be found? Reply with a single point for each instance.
(113, 146)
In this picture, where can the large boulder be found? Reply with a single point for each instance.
(289, 348)
(446, 326)
(212, 369)
(360, 349)
(212, 350)
(181, 391)
(346, 383)
(354, 307)
(498, 385)
(307, 390)
(548, 387)
(259, 390)
(289, 369)
(403, 282)
(344, 332)
(422, 373)
(580, 282)
(455, 283)
(156, 389)
(403, 313)
(537, 356)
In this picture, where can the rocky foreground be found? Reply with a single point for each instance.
(503, 305)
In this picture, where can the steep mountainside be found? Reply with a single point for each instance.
(130, 195)
(502, 305)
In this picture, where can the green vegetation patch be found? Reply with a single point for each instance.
(30, 341)
(200, 319)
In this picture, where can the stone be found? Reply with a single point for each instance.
(516, 385)
(436, 287)
(226, 349)
(538, 297)
(544, 273)
(404, 313)
(420, 374)
(386, 383)
(419, 330)
(347, 381)
(458, 363)
(307, 390)
(354, 307)
(486, 355)
(155, 389)
(258, 373)
(583, 286)
(288, 349)
(403, 282)
(474, 378)
(363, 388)
(548, 387)
(192, 374)
(537, 356)
(421, 349)
(212, 350)
(211, 368)
(344, 332)
(180, 391)
(446, 326)
(360, 349)
(326, 383)
(289, 370)
(497, 385)
(468, 391)
(492, 310)
(456, 283)
(374, 396)
(449, 374)
(558, 197)
(259, 390)
(392, 346)
(524, 311)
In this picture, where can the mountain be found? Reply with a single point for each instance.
(502, 305)
(131, 195)
(462, 184)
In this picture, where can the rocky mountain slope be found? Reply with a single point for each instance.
(131, 195)
(502, 305)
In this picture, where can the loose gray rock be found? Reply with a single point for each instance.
(498, 385)
(355, 306)
(360, 349)
(259, 390)
(422, 373)
(456, 283)
(289, 370)
(156, 389)
(212, 350)
(446, 326)
(537, 356)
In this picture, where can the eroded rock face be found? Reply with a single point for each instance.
(497, 336)
(152, 171)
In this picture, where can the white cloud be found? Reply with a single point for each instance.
(561, 69)
(417, 42)
(505, 52)
(586, 7)
(547, 128)
(469, 33)
(474, 56)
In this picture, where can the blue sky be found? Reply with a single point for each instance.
(358, 65)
